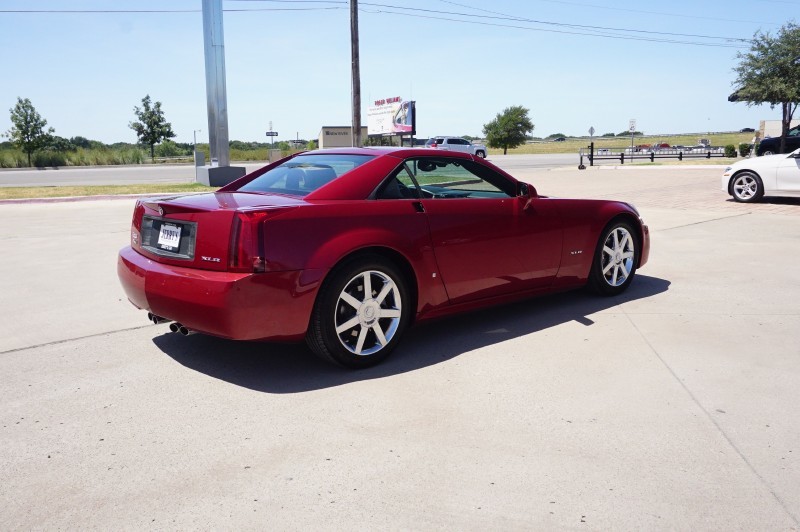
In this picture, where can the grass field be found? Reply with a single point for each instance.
(105, 190)
(572, 145)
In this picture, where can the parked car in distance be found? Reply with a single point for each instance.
(749, 180)
(660, 146)
(559, 139)
(346, 248)
(457, 144)
(772, 145)
(747, 130)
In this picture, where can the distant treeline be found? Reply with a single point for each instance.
(80, 151)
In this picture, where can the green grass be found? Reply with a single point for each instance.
(104, 190)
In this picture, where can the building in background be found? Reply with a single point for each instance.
(772, 128)
(338, 136)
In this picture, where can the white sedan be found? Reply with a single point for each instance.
(751, 179)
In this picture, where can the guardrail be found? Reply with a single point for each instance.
(652, 154)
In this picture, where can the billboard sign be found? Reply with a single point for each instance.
(392, 116)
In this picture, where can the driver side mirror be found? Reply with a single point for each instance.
(527, 191)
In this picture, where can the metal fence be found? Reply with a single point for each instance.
(650, 153)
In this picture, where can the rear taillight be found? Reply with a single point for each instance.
(136, 223)
(247, 242)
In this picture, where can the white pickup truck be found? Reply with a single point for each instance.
(457, 144)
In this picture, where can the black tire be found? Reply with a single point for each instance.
(768, 151)
(380, 317)
(746, 187)
(616, 257)
(481, 154)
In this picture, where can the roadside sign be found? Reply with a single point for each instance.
(272, 133)
(632, 125)
(591, 131)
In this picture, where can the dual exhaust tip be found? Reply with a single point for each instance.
(174, 326)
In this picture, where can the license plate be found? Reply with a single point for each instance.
(169, 237)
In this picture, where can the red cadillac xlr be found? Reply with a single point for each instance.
(346, 248)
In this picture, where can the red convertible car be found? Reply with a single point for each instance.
(346, 248)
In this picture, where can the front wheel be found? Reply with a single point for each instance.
(481, 154)
(615, 260)
(360, 313)
(747, 187)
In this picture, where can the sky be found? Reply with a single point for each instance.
(574, 64)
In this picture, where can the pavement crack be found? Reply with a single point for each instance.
(56, 342)
(706, 221)
(722, 432)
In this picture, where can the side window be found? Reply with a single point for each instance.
(441, 177)
(400, 185)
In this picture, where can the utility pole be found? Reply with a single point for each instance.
(220, 172)
(356, 74)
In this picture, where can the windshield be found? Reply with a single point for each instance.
(304, 174)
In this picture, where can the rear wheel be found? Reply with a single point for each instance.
(768, 151)
(360, 313)
(747, 187)
(481, 154)
(615, 259)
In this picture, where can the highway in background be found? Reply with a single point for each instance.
(142, 174)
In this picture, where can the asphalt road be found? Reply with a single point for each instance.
(671, 407)
(132, 175)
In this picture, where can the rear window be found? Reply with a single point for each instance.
(304, 174)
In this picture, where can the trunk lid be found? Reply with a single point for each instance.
(199, 231)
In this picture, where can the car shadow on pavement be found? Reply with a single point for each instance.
(280, 368)
(773, 200)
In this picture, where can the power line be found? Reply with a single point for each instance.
(503, 16)
(136, 11)
(659, 13)
(512, 18)
(587, 30)
(585, 33)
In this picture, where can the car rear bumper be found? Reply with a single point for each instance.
(262, 306)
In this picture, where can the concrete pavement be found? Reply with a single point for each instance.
(670, 407)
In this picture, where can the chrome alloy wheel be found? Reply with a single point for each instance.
(617, 256)
(745, 186)
(368, 312)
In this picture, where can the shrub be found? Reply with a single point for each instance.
(744, 149)
(13, 159)
(49, 158)
(730, 150)
(169, 149)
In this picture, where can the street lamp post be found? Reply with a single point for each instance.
(194, 145)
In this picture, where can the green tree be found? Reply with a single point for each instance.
(508, 129)
(28, 128)
(152, 127)
(770, 73)
(80, 142)
(59, 144)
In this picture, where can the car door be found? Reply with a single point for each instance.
(487, 240)
(460, 145)
(788, 174)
